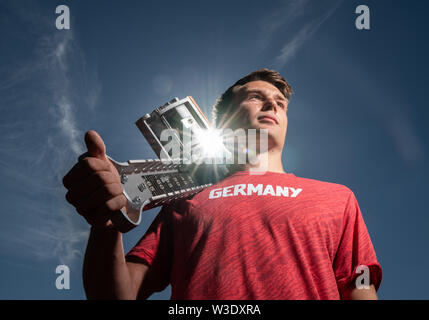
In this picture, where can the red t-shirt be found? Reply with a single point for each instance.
(271, 236)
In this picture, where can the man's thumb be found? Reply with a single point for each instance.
(95, 145)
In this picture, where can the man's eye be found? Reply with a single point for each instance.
(254, 97)
(283, 103)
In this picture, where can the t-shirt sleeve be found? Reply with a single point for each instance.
(355, 250)
(155, 250)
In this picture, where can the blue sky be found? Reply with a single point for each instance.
(357, 117)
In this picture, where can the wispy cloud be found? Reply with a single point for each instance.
(58, 51)
(286, 14)
(43, 90)
(292, 25)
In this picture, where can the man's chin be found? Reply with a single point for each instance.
(271, 127)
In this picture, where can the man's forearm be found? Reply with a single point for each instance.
(105, 272)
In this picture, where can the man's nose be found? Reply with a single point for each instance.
(269, 104)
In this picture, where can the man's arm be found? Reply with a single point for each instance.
(95, 190)
(361, 294)
(106, 274)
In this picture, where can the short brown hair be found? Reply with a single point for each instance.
(223, 104)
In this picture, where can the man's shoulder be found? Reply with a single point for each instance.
(326, 189)
(323, 184)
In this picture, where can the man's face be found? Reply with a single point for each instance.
(260, 105)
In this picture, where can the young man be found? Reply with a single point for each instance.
(249, 236)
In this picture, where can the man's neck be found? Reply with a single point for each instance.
(269, 161)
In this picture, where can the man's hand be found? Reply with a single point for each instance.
(94, 186)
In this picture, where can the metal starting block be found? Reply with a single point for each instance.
(153, 182)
